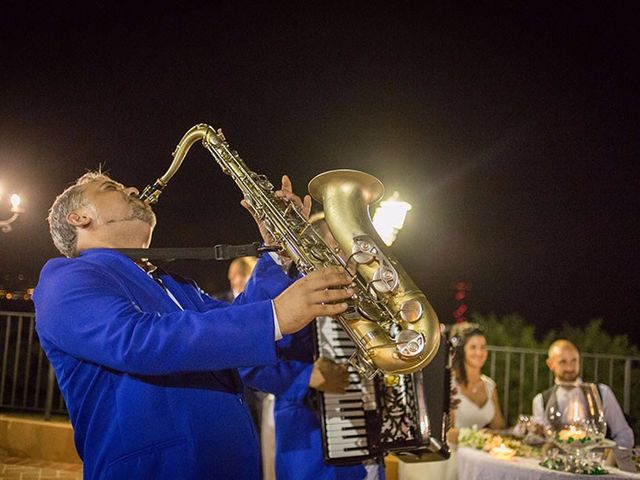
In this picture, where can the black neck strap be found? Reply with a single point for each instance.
(219, 252)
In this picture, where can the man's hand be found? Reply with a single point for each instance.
(328, 376)
(286, 192)
(311, 297)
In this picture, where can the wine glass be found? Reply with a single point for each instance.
(574, 414)
(575, 422)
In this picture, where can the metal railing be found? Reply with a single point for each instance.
(520, 373)
(27, 380)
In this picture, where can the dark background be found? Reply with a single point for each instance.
(511, 128)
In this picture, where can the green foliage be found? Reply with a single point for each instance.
(513, 331)
(593, 339)
(508, 331)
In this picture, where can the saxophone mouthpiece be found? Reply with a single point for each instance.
(151, 193)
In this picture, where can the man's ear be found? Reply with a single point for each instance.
(78, 219)
(549, 363)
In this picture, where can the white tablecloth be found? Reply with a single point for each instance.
(478, 465)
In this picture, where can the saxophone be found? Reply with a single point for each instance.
(394, 328)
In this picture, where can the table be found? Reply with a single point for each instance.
(478, 465)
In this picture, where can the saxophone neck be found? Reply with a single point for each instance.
(202, 132)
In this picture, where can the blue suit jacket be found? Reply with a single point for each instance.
(152, 390)
(298, 436)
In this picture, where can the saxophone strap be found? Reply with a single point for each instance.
(219, 252)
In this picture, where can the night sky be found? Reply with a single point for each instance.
(511, 128)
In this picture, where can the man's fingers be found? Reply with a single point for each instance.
(246, 205)
(286, 184)
(329, 309)
(293, 198)
(303, 205)
(336, 375)
(330, 296)
(344, 377)
(328, 277)
(306, 206)
(312, 297)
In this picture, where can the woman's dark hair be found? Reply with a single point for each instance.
(457, 362)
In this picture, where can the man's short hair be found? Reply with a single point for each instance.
(65, 236)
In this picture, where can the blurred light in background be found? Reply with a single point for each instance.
(389, 217)
(14, 199)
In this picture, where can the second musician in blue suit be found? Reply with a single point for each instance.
(299, 453)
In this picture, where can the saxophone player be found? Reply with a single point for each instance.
(147, 363)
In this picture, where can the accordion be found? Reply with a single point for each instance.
(407, 415)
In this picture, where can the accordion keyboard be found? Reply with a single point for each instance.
(344, 422)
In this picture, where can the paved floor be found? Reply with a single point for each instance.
(19, 468)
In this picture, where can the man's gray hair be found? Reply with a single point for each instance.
(65, 236)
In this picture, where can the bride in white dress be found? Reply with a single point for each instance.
(478, 403)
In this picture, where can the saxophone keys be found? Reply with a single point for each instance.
(385, 279)
(410, 343)
(411, 311)
(363, 366)
(363, 251)
(367, 308)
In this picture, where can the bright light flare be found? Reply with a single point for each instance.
(15, 200)
(389, 217)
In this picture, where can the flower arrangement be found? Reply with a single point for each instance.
(488, 441)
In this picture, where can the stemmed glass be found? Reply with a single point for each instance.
(574, 414)
(575, 423)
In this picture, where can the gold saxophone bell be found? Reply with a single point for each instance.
(392, 320)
